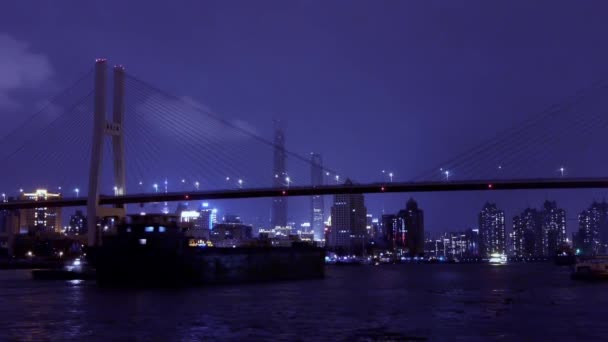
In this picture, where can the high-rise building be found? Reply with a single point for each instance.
(368, 226)
(78, 224)
(525, 230)
(42, 219)
(388, 226)
(472, 239)
(553, 228)
(491, 230)
(539, 233)
(593, 226)
(410, 228)
(207, 217)
(348, 223)
(279, 180)
(317, 205)
(456, 244)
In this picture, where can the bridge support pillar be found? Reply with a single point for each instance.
(102, 128)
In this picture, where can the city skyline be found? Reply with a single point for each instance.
(303, 170)
(335, 89)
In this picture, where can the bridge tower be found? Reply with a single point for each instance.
(102, 128)
(279, 204)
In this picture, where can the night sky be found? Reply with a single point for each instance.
(371, 85)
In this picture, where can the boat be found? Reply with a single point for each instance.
(154, 250)
(73, 270)
(564, 256)
(498, 259)
(591, 268)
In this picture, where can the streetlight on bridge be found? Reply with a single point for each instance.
(77, 191)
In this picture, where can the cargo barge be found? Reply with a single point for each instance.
(153, 250)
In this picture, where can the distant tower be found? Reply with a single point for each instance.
(279, 204)
(317, 206)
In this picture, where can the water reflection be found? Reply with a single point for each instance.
(438, 302)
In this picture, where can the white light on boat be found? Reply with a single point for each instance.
(498, 258)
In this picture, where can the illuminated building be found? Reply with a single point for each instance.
(78, 224)
(348, 222)
(472, 238)
(317, 205)
(553, 228)
(410, 228)
(593, 229)
(189, 216)
(389, 224)
(539, 233)
(207, 217)
(491, 231)
(368, 225)
(525, 229)
(376, 233)
(41, 219)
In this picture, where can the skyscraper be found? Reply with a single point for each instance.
(388, 224)
(411, 226)
(491, 230)
(525, 231)
(472, 238)
(553, 227)
(348, 222)
(207, 218)
(317, 205)
(279, 204)
(593, 228)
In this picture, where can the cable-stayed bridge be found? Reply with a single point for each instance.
(105, 142)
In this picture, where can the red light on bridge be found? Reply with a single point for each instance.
(187, 196)
(284, 192)
(382, 189)
(490, 186)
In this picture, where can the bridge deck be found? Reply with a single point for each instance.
(478, 185)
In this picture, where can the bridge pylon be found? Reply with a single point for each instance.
(103, 127)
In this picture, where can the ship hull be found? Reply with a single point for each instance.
(208, 266)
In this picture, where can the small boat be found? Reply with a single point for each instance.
(75, 270)
(498, 259)
(564, 256)
(593, 268)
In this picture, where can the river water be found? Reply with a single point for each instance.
(353, 303)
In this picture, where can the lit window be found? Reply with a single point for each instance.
(128, 229)
(161, 229)
(142, 241)
(149, 229)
